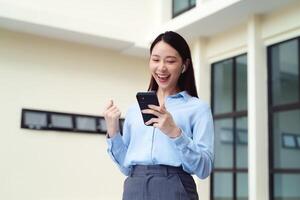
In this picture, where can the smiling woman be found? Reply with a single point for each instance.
(170, 53)
(160, 159)
(165, 65)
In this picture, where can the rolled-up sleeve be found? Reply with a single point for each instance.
(197, 152)
(117, 148)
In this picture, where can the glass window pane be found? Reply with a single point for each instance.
(241, 83)
(286, 131)
(242, 186)
(223, 87)
(35, 119)
(241, 142)
(285, 72)
(102, 125)
(286, 186)
(61, 121)
(86, 123)
(224, 143)
(223, 183)
(193, 2)
(180, 5)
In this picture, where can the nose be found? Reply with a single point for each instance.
(161, 66)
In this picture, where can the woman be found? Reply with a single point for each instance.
(160, 159)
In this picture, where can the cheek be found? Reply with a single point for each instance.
(177, 71)
(151, 67)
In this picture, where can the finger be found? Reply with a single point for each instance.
(150, 111)
(118, 113)
(157, 108)
(110, 103)
(155, 125)
(115, 112)
(107, 107)
(113, 108)
(152, 120)
(163, 108)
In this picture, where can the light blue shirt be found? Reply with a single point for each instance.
(146, 145)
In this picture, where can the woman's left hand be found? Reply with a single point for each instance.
(164, 120)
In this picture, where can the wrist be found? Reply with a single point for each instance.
(112, 133)
(175, 133)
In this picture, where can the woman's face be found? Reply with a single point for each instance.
(165, 65)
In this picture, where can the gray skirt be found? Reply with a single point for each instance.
(159, 182)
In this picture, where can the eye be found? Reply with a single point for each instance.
(155, 59)
(170, 61)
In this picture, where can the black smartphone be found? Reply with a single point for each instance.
(144, 99)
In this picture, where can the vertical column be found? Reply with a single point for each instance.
(201, 68)
(257, 113)
(162, 11)
(199, 2)
(202, 76)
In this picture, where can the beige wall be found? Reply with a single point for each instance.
(53, 75)
(41, 73)
(111, 19)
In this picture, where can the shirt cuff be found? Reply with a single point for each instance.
(182, 141)
(115, 141)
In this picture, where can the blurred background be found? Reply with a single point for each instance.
(62, 61)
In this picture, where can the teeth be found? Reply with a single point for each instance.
(163, 76)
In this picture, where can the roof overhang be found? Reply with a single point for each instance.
(204, 20)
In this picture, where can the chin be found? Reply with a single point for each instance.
(164, 87)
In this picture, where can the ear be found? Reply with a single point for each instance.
(183, 68)
(185, 65)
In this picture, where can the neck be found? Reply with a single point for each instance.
(163, 93)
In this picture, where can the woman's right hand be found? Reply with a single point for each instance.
(112, 115)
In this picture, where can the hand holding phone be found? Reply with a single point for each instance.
(144, 99)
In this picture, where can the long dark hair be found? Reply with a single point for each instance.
(186, 80)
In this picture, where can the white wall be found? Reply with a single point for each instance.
(123, 20)
(280, 25)
(227, 44)
(277, 26)
(53, 75)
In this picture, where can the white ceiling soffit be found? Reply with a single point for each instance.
(202, 21)
(198, 22)
(67, 35)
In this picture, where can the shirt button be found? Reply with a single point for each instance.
(154, 161)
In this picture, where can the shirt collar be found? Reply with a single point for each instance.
(183, 94)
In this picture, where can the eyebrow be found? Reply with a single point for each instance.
(166, 57)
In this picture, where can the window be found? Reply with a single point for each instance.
(45, 120)
(181, 6)
(229, 106)
(284, 118)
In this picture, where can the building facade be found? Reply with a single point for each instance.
(74, 57)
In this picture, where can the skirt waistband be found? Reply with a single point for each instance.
(156, 170)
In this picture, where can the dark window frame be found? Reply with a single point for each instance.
(73, 116)
(272, 109)
(182, 11)
(230, 115)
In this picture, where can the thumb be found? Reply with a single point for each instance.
(110, 104)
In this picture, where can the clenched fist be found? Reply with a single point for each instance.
(112, 115)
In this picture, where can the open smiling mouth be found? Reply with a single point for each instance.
(163, 78)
